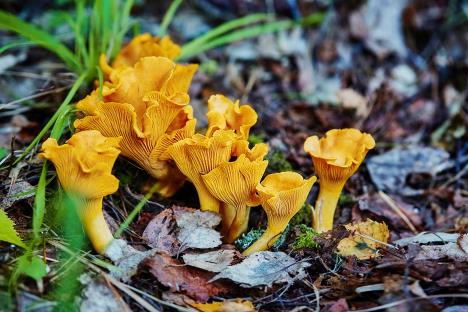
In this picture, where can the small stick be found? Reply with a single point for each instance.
(389, 201)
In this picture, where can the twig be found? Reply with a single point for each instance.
(56, 90)
(389, 201)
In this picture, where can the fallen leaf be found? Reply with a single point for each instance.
(264, 268)
(237, 305)
(338, 306)
(98, 296)
(193, 282)
(213, 261)
(196, 229)
(349, 98)
(19, 190)
(427, 238)
(389, 171)
(365, 238)
(455, 251)
(160, 233)
(126, 258)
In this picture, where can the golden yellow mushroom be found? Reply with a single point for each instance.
(282, 196)
(146, 45)
(224, 114)
(149, 110)
(336, 157)
(199, 155)
(233, 183)
(84, 164)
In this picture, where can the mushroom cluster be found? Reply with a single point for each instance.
(143, 107)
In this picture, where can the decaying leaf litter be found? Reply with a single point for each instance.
(399, 77)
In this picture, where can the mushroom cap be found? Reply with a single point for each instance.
(234, 182)
(338, 155)
(282, 195)
(131, 85)
(146, 45)
(258, 152)
(84, 163)
(200, 154)
(224, 114)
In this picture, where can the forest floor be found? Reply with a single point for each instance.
(396, 71)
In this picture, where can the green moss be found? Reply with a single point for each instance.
(247, 239)
(345, 199)
(303, 216)
(306, 238)
(256, 139)
(277, 162)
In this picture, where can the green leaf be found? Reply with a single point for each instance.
(8, 232)
(33, 267)
(36, 35)
(3, 152)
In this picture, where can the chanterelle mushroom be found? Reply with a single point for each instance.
(282, 195)
(147, 105)
(233, 183)
(336, 157)
(141, 46)
(199, 155)
(84, 164)
(224, 114)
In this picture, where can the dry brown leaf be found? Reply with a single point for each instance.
(237, 305)
(160, 233)
(364, 240)
(180, 278)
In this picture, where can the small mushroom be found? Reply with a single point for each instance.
(282, 195)
(199, 155)
(224, 114)
(233, 183)
(148, 108)
(84, 164)
(336, 157)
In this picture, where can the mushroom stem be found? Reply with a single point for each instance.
(325, 206)
(236, 222)
(95, 226)
(265, 242)
(207, 201)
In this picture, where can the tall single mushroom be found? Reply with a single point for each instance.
(336, 157)
(224, 114)
(84, 164)
(146, 105)
(233, 183)
(197, 156)
(282, 195)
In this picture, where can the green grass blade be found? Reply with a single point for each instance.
(135, 211)
(248, 32)
(34, 34)
(63, 108)
(39, 203)
(168, 17)
(15, 44)
(224, 28)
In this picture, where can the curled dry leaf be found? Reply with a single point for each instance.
(193, 282)
(265, 268)
(213, 261)
(237, 305)
(366, 237)
(160, 233)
